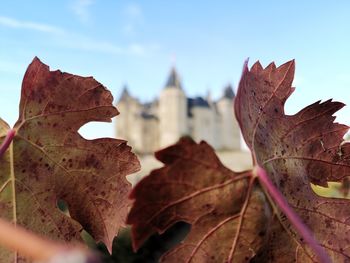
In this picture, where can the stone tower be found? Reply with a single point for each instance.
(124, 119)
(160, 123)
(172, 111)
(128, 124)
(229, 129)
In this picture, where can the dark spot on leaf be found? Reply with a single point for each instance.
(328, 223)
(262, 233)
(282, 183)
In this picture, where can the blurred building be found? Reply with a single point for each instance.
(151, 126)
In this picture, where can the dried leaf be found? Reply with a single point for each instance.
(309, 139)
(295, 151)
(48, 160)
(221, 205)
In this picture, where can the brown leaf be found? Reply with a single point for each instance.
(280, 247)
(296, 150)
(227, 211)
(49, 160)
(309, 138)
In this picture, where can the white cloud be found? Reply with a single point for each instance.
(129, 29)
(81, 9)
(133, 11)
(71, 40)
(14, 23)
(81, 42)
(133, 18)
(87, 44)
(137, 49)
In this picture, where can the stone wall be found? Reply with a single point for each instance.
(172, 116)
(235, 160)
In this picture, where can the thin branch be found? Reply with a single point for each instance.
(302, 229)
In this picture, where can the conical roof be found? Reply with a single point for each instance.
(125, 94)
(173, 80)
(228, 92)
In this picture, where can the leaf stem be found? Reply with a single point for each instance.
(6, 143)
(301, 228)
(35, 247)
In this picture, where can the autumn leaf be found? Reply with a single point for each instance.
(49, 160)
(309, 139)
(297, 150)
(221, 205)
(233, 216)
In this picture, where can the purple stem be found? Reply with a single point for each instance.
(302, 229)
(6, 143)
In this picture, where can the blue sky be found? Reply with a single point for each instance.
(135, 42)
